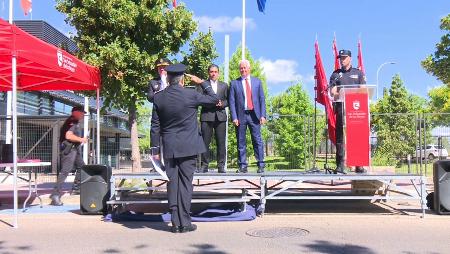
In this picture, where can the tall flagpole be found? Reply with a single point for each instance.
(243, 29)
(226, 79)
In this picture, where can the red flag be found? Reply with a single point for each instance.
(337, 64)
(26, 6)
(360, 58)
(174, 3)
(322, 94)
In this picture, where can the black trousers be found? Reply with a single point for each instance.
(219, 129)
(340, 152)
(179, 189)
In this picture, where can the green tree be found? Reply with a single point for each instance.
(124, 38)
(294, 108)
(440, 105)
(202, 53)
(438, 64)
(393, 121)
(144, 113)
(256, 71)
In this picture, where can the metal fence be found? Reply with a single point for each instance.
(400, 143)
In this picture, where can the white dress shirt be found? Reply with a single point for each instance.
(244, 87)
(163, 82)
(214, 85)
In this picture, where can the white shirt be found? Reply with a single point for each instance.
(163, 82)
(214, 85)
(244, 87)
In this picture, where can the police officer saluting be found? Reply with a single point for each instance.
(175, 115)
(157, 85)
(345, 76)
(70, 140)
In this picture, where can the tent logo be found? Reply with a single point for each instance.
(356, 105)
(66, 62)
(60, 58)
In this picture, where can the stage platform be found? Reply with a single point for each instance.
(242, 188)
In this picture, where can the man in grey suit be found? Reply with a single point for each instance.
(175, 115)
(214, 118)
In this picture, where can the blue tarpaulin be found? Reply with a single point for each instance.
(222, 213)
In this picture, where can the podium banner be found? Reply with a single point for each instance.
(357, 129)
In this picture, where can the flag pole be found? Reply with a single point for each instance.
(243, 29)
(226, 79)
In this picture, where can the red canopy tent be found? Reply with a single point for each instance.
(30, 64)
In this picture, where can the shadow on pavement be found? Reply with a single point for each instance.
(205, 249)
(331, 248)
(159, 226)
(326, 206)
(12, 249)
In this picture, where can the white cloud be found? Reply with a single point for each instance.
(281, 70)
(223, 24)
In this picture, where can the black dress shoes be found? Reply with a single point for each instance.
(221, 170)
(260, 170)
(242, 170)
(175, 229)
(190, 228)
(360, 170)
(340, 170)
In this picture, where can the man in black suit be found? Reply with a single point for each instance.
(214, 118)
(175, 115)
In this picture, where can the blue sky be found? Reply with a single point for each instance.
(283, 38)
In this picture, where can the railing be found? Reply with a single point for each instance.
(291, 142)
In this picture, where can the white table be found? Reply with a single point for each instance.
(31, 189)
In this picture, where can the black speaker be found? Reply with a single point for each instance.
(441, 179)
(94, 189)
(6, 153)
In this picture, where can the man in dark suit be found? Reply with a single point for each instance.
(175, 115)
(157, 85)
(214, 118)
(248, 108)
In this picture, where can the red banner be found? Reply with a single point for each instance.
(357, 129)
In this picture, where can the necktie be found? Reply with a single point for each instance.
(248, 92)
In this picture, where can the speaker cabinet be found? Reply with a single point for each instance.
(441, 179)
(94, 189)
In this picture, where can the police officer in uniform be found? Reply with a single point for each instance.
(175, 115)
(345, 76)
(70, 140)
(157, 85)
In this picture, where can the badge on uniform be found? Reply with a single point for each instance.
(354, 76)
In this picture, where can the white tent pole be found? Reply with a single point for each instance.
(243, 29)
(98, 125)
(14, 136)
(226, 79)
(14, 122)
(86, 129)
(8, 133)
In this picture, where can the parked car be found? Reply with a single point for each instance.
(431, 152)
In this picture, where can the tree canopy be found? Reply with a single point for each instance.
(438, 63)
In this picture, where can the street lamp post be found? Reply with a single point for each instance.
(378, 72)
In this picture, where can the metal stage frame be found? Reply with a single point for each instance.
(266, 186)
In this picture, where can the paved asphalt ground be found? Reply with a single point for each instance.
(331, 227)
